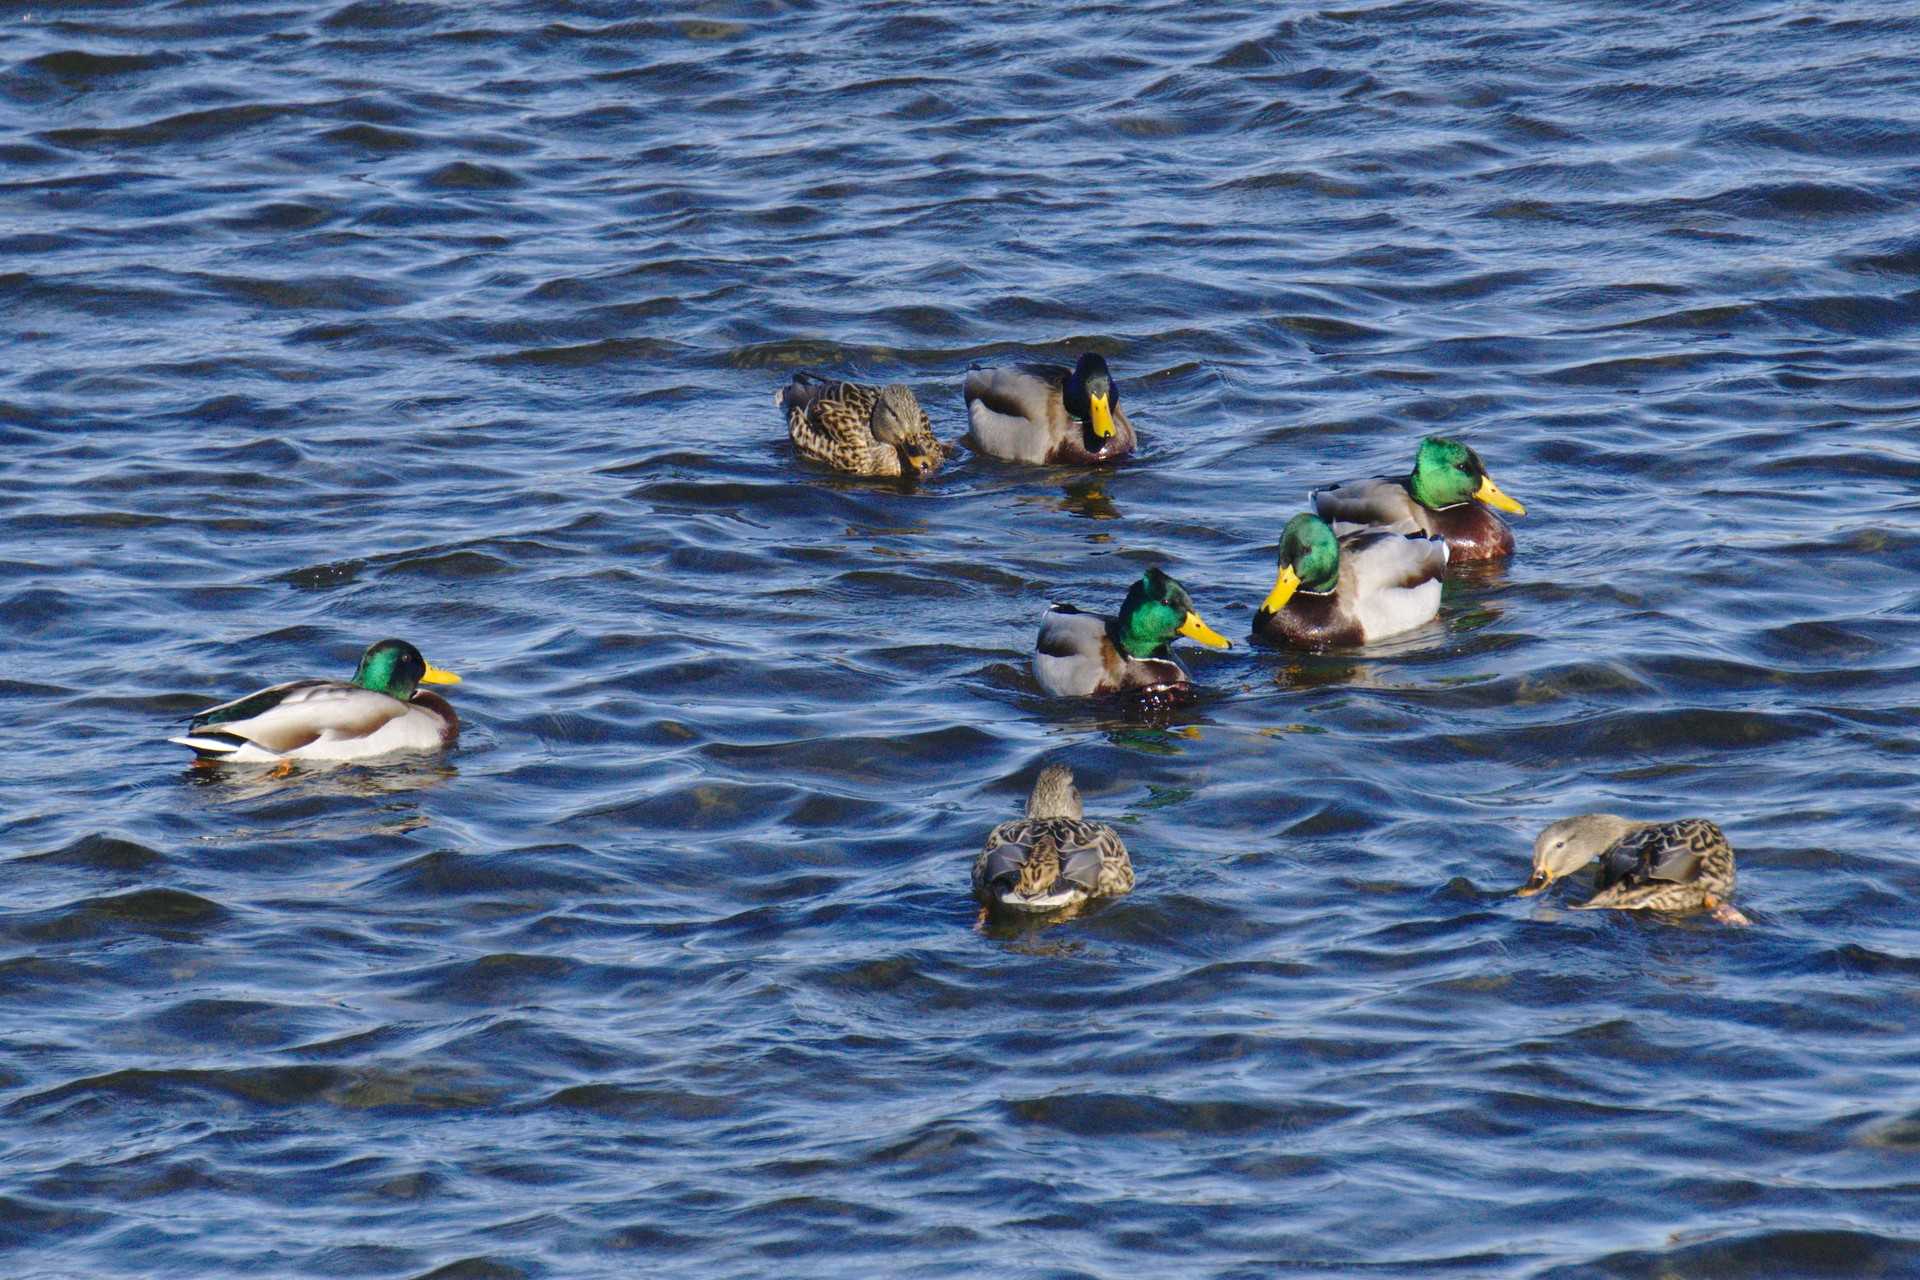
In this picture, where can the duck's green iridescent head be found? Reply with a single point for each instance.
(1447, 473)
(1309, 561)
(1157, 609)
(395, 668)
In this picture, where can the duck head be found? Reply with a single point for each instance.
(1571, 844)
(1157, 609)
(1309, 561)
(395, 668)
(1091, 397)
(896, 421)
(1447, 473)
(1054, 795)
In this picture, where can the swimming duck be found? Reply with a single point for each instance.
(868, 431)
(1442, 496)
(1082, 654)
(1047, 413)
(1644, 866)
(1363, 587)
(381, 709)
(1053, 858)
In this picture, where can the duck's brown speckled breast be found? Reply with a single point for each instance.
(1472, 532)
(1309, 621)
(1073, 451)
(1140, 675)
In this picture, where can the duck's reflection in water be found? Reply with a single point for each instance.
(303, 784)
(1086, 497)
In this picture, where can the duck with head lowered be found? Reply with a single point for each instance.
(1047, 413)
(1442, 496)
(1686, 865)
(1350, 590)
(1081, 655)
(381, 710)
(862, 430)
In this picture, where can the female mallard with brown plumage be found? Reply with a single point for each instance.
(1350, 590)
(1644, 866)
(1053, 858)
(381, 710)
(1080, 655)
(1442, 497)
(867, 431)
(1047, 413)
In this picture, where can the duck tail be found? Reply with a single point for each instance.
(211, 744)
(806, 386)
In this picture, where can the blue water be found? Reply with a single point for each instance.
(462, 322)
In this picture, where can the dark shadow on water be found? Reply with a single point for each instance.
(234, 783)
(1474, 574)
(1315, 671)
(1158, 722)
(1030, 934)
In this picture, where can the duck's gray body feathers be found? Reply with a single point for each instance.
(1076, 657)
(1018, 413)
(1385, 502)
(320, 720)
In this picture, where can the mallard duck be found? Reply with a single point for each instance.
(868, 431)
(1082, 654)
(1047, 413)
(381, 709)
(1442, 496)
(1644, 866)
(1053, 858)
(1344, 591)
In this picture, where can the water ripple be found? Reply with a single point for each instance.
(463, 323)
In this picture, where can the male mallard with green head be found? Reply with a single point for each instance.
(1351, 590)
(1442, 497)
(381, 710)
(1083, 654)
(867, 431)
(1644, 866)
(1047, 413)
(1053, 858)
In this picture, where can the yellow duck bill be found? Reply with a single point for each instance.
(1100, 414)
(1537, 882)
(1284, 586)
(1194, 629)
(1489, 493)
(435, 675)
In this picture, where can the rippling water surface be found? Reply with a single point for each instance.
(461, 323)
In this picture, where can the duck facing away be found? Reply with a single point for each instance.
(1365, 586)
(1441, 497)
(1080, 655)
(1047, 413)
(1053, 858)
(1644, 866)
(381, 710)
(862, 430)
